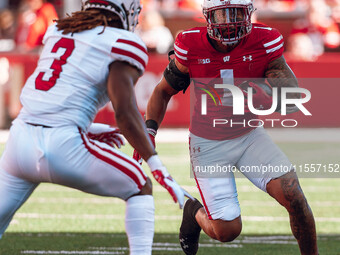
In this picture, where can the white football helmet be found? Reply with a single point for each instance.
(229, 20)
(127, 10)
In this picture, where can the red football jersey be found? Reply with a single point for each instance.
(207, 67)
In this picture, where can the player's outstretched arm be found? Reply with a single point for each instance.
(176, 73)
(121, 81)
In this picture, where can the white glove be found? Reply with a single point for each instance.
(106, 134)
(162, 176)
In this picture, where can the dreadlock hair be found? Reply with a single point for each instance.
(87, 20)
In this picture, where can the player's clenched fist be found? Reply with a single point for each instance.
(106, 134)
(162, 176)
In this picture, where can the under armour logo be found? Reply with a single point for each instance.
(245, 58)
(196, 149)
(182, 241)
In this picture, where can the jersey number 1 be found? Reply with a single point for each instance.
(56, 66)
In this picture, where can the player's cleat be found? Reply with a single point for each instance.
(189, 232)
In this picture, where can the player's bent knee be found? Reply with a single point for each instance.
(147, 188)
(228, 235)
(228, 230)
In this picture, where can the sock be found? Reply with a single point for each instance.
(139, 224)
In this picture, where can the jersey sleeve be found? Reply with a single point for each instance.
(273, 44)
(181, 50)
(132, 50)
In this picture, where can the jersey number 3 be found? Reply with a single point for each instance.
(56, 66)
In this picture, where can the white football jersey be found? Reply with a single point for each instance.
(69, 85)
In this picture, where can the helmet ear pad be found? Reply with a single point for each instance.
(126, 10)
(228, 21)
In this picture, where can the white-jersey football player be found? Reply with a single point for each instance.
(88, 59)
(230, 49)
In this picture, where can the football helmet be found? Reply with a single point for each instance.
(127, 10)
(229, 20)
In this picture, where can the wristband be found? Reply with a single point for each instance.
(151, 124)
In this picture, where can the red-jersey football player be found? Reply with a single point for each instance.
(231, 50)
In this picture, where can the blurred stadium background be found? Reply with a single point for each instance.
(58, 220)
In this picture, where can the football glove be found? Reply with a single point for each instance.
(106, 134)
(152, 133)
(162, 176)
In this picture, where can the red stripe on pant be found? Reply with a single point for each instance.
(111, 162)
(131, 162)
(203, 200)
(198, 186)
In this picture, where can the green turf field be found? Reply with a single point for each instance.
(58, 220)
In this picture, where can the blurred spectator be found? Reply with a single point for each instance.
(336, 10)
(286, 5)
(154, 33)
(300, 47)
(148, 5)
(33, 23)
(192, 5)
(7, 30)
(7, 27)
(319, 27)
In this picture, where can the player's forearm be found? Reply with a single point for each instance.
(157, 105)
(280, 75)
(133, 128)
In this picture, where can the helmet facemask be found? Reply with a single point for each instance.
(229, 23)
(132, 15)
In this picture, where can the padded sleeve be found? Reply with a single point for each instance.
(181, 50)
(273, 44)
(131, 50)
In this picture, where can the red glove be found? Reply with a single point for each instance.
(152, 133)
(261, 100)
(105, 134)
